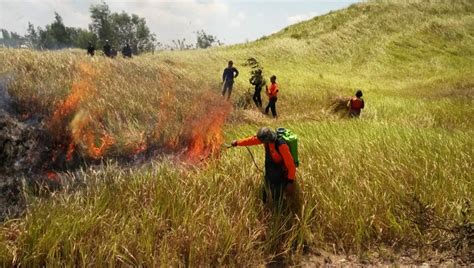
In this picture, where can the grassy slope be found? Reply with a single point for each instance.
(366, 183)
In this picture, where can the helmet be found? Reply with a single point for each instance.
(266, 135)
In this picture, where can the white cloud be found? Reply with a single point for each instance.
(230, 20)
(175, 19)
(237, 20)
(301, 17)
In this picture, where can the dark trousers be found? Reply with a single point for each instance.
(275, 181)
(256, 97)
(354, 113)
(227, 87)
(272, 105)
(274, 187)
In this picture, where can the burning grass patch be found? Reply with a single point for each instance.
(109, 112)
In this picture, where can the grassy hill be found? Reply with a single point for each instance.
(398, 181)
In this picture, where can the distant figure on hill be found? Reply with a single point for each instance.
(113, 53)
(107, 49)
(272, 92)
(228, 79)
(258, 82)
(90, 49)
(356, 104)
(127, 51)
(280, 168)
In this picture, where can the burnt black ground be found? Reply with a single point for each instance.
(23, 153)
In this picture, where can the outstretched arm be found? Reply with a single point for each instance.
(250, 141)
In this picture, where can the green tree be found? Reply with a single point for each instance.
(121, 28)
(81, 38)
(59, 31)
(32, 36)
(55, 35)
(11, 39)
(204, 40)
(101, 24)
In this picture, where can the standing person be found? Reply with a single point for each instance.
(356, 104)
(258, 82)
(113, 52)
(90, 49)
(127, 51)
(107, 49)
(272, 93)
(228, 79)
(280, 169)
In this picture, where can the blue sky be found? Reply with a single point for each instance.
(232, 21)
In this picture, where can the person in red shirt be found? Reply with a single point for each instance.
(280, 169)
(272, 92)
(356, 104)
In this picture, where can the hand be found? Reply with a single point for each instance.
(233, 143)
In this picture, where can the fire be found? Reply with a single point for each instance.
(80, 89)
(85, 135)
(206, 135)
(73, 126)
(79, 127)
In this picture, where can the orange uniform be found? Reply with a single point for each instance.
(281, 156)
(272, 90)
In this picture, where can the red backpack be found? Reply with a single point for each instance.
(357, 103)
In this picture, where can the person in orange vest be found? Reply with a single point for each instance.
(356, 104)
(280, 169)
(272, 92)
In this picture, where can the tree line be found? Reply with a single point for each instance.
(118, 28)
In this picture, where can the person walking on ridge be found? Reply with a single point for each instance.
(107, 49)
(280, 169)
(272, 92)
(127, 51)
(356, 104)
(228, 79)
(90, 49)
(258, 82)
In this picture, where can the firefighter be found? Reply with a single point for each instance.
(272, 93)
(90, 49)
(107, 49)
(280, 169)
(127, 51)
(356, 104)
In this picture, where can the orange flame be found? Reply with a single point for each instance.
(69, 116)
(84, 135)
(206, 135)
(81, 88)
